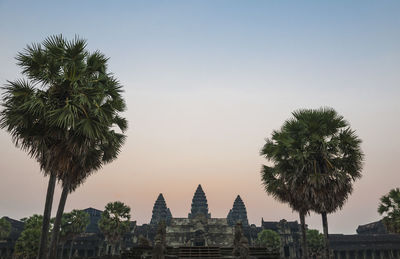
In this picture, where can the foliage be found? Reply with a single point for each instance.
(27, 245)
(269, 239)
(114, 221)
(73, 224)
(5, 228)
(315, 242)
(65, 115)
(316, 155)
(390, 206)
(34, 221)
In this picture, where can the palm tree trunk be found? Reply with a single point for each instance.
(326, 235)
(46, 217)
(304, 247)
(57, 223)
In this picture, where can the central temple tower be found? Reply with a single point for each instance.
(199, 204)
(199, 229)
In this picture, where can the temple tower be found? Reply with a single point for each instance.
(238, 213)
(160, 211)
(199, 204)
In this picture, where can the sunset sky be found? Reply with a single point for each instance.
(205, 83)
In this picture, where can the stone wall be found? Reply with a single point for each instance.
(199, 231)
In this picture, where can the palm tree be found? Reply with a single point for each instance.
(27, 106)
(333, 160)
(317, 157)
(69, 106)
(23, 116)
(282, 151)
(390, 205)
(73, 224)
(114, 223)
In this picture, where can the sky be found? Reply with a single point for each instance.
(206, 82)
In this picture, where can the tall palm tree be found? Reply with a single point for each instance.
(24, 117)
(333, 160)
(318, 157)
(390, 205)
(69, 105)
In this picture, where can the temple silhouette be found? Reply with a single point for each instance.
(199, 231)
(199, 228)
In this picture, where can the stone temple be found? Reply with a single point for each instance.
(201, 229)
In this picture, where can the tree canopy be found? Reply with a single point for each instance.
(114, 222)
(315, 242)
(27, 244)
(5, 228)
(269, 239)
(73, 224)
(390, 207)
(315, 153)
(316, 158)
(69, 106)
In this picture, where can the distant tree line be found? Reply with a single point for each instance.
(113, 224)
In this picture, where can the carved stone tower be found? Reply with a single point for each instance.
(160, 211)
(238, 213)
(199, 204)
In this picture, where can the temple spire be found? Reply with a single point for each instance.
(199, 204)
(238, 213)
(160, 211)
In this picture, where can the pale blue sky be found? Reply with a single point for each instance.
(206, 82)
